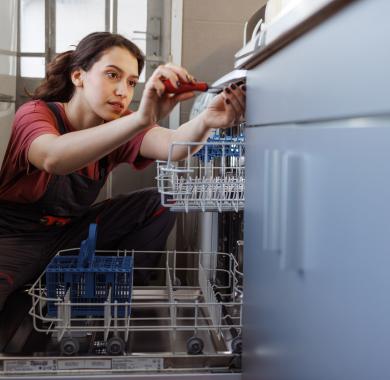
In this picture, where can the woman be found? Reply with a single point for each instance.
(66, 141)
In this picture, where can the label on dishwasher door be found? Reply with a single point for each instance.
(29, 365)
(68, 364)
(128, 363)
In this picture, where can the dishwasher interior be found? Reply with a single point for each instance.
(187, 320)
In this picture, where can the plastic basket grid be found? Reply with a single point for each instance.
(207, 153)
(91, 284)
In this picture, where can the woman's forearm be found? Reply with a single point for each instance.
(194, 130)
(75, 150)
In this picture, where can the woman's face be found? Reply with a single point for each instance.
(108, 86)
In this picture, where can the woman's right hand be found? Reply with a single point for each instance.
(155, 102)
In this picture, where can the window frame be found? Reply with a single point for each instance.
(153, 37)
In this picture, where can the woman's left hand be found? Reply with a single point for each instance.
(156, 103)
(227, 108)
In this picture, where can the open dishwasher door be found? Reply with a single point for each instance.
(90, 319)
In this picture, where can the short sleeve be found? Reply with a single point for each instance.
(32, 120)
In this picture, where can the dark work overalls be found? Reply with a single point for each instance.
(132, 221)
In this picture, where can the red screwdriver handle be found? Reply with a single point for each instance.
(185, 87)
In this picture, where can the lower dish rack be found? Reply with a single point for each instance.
(189, 318)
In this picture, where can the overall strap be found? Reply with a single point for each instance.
(60, 122)
(103, 162)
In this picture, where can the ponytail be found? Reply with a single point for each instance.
(57, 85)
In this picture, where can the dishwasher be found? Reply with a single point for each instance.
(186, 323)
(315, 151)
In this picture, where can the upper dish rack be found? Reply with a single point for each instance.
(212, 179)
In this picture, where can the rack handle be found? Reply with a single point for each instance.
(87, 248)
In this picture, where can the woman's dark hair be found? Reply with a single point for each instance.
(58, 86)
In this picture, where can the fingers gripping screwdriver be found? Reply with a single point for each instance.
(184, 87)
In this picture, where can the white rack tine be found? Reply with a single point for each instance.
(215, 182)
(209, 308)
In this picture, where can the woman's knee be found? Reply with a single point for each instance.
(152, 193)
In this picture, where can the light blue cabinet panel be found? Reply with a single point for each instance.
(317, 251)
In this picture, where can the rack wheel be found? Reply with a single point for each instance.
(237, 345)
(194, 345)
(69, 346)
(115, 346)
(235, 363)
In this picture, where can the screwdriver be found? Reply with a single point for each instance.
(184, 87)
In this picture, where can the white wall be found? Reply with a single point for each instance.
(212, 33)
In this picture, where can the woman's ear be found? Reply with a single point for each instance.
(77, 77)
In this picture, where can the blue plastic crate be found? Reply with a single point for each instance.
(231, 149)
(89, 279)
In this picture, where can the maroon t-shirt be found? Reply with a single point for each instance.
(21, 182)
